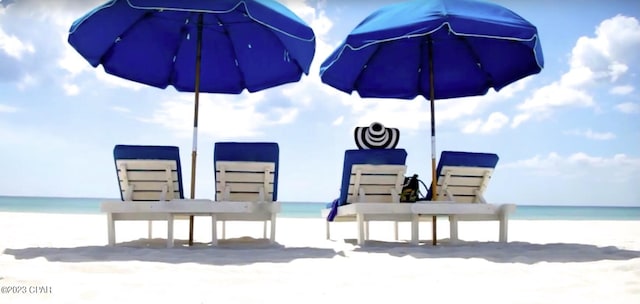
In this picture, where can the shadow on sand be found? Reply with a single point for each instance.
(241, 251)
(244, 251)
(512, 252)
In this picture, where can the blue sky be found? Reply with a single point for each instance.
(569, 135)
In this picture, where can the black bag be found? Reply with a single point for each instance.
(410, 189)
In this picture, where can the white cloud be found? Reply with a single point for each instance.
(547, 98)
(221, 116)
(316, 18)
(321, 24)
(300, 8)
(619, 167)
(13, 46)
(284, 115)
(519, 119)
(7, 109)
(116, 81)
(590, 134)
(510, 90)
(628, 107)
(599, 136)
(39, 58)
(537, 164)
(621, 90)
(338, 121)
(71, 89)
(121, 109)
(27, 81)
(72, 62)
(603, 58)
(494, 122)
(5, 3)
(403, 114)
(415, 114)
(556, 95)
(606, 56)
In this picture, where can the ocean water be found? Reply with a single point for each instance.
(312, 210)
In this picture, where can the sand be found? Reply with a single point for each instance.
(63, 258)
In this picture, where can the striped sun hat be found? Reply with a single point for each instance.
(376, 136)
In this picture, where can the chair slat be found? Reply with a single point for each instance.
(146, 175)
(244, 177)
(377, 198)
(378, 182)
(241, 166)
(248, 187)
(244, 180)
(373, 189)
(148, 179)
(383, 179)
(147, 164)
(153, 195)
(244, 197)
(153, 186)
(466, 171)
(457, 181)
(465, 184)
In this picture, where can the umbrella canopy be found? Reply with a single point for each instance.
(250, 44)
(438, 49)
(212, 46)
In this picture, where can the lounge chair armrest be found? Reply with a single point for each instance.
(361, 195)
(128, 193)
(261, 195)
(163, 194)
(480, 197)
(395, 198)
(450, 196)
(226, 195)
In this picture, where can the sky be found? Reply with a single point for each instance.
(569, 135)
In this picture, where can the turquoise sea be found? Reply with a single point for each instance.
(312, 210)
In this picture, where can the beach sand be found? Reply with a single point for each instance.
(63, 258)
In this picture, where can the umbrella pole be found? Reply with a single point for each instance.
(195, 123)
(434, 189)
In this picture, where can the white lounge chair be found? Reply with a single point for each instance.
(462, 178)
(148, 177)
(370, 191)
(247, 173)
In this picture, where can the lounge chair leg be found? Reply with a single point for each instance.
(504, 223)
(169, 230)
(328, 234)
(453, 228)
(395, 224)
(503, 230)
(366, 230)
(273, 228)
(264, 230)
(150, 229)
(224, 230)
(111, 229)
(414, 229)
(361, 223)
(214, 230)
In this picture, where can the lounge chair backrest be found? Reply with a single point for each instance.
(374, 175)
(246, 171)
(376, 183)
(463, 176)
(148, 173)
(244, 181)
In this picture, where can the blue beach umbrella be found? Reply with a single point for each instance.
(211, 46)
(438, 49)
